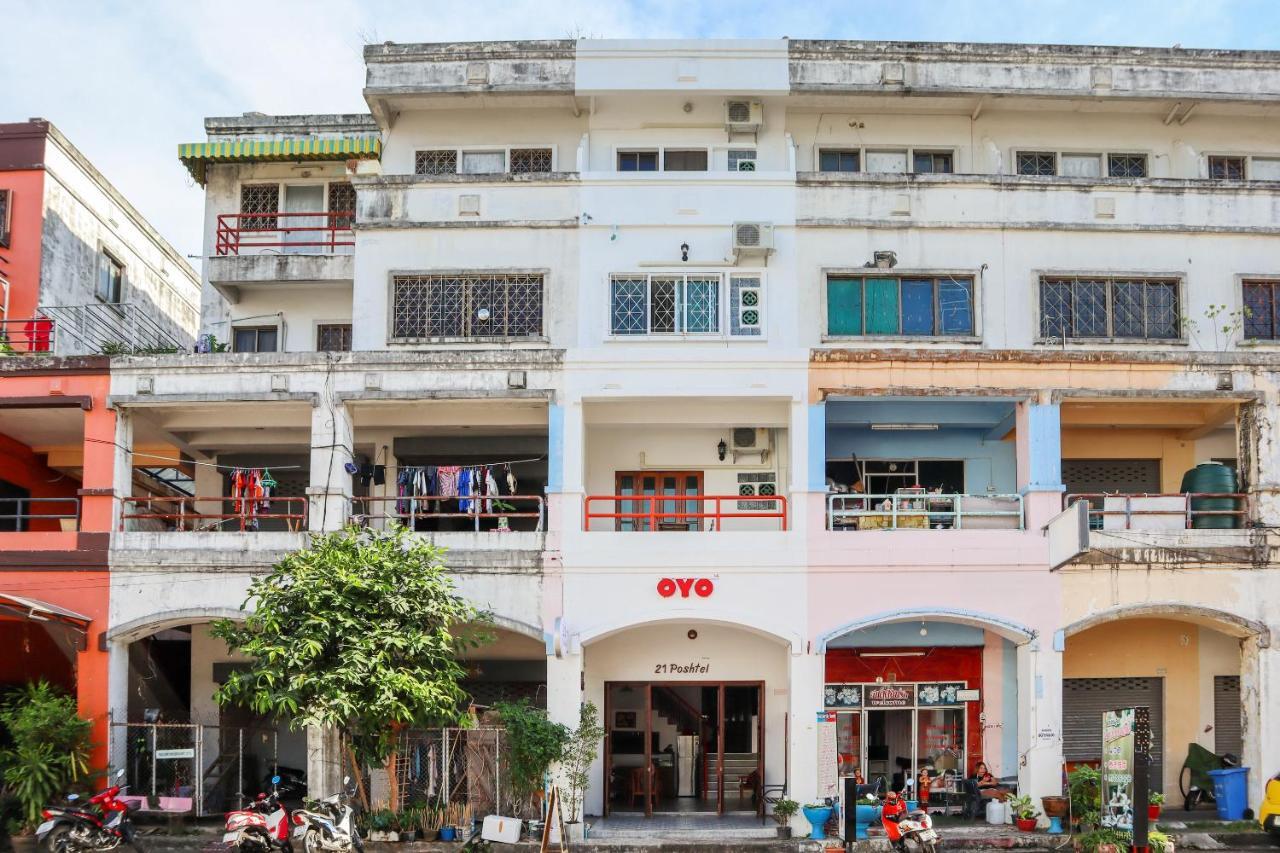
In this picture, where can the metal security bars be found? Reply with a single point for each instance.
(477, 305)
(258, 200)
(1089, 307)
(662, 305)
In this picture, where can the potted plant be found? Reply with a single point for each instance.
(817, 814)
(580, 753)
(1154, 802)
(783, 811)
(381, 822)
(429, 821)
(1104, 840)
(1084, 793)
(504, 523)
(1024, 812)
(534, 743)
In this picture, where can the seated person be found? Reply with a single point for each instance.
(979, 787)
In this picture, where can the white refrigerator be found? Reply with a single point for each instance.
(686, 765)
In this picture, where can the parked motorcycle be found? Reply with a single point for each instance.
(330, 825)
(292, 784)
(260, 827)
(100, 825)
(918, 832)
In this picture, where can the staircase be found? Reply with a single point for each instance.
(736, 766)
(221, 786)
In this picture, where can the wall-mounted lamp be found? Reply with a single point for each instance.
(722, 449)
(684, 251)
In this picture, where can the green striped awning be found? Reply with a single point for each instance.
(197, 155)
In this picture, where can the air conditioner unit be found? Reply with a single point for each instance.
(752, 238)
(751, 441)
(741, 116)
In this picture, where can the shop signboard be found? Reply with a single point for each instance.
(842, 696)
(946, 693)
(828, 757)
(890, 695)
(1117, 768)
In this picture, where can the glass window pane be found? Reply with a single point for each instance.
(483, 162)
(1055, 308)
(882, 306)
(1089, 309)
(246, 340)
(1128, 320)
(844, 306)
(936, 162)
(893, 162)
(266, 340)
(955, 306)
(684, 161)
(1162, 310)
(1081, 165)
(662, 305)
(848, 742)
(838, 161)
(1259, 311)
(917, 307)
(627, 313)
(1265, 169)
(940, 747)
(702, 305)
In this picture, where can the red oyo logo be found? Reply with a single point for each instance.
(701, 587)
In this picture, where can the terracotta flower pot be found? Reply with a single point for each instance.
(1055, 806)
(1025, 824)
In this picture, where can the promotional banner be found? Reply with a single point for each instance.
(1118, 769)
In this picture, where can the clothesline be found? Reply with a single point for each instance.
(477, 464)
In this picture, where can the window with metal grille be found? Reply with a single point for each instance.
(258, 205)
(333, 337)
(527, 160)
(1127, 165)
(742, 159)
(831, 160)
(6, 216)
(927, 306)
(255, 338)
(664, 304)
(746, 306)
(1226, 168)
(1037, 163)
(931, 162)
(440, 162)
(1261, 310)
(1088, 307)
(473, 305)
(342, 204)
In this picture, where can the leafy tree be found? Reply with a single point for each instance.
(361, 631)
(579, 754)
(534, 743)
(50, 750)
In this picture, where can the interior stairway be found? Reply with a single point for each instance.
(737, 765)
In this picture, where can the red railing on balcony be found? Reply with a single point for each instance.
(680, 512)
(20, 515)
(283, 230)
(167, 514)
(406, 509)
(34, 335)
(1116, 511)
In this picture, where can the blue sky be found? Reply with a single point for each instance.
(127, 81)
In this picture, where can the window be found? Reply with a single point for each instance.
(1097, 307)
(1037, 163)
(680, 160)
(258, 205)
(637, 161)
(333, 337)
(1226, 168)
(1126, 165)
(933, 306)
(6, 216)
(663, 304)
(478, 305)
(887, 162)
(931, 162)
(1264, 168)
(838, 161)
(1081, 166)
(742, 159)
(528, 160)
(255, 338)
(110, 279)
(444, 162)
(484, 162)
(1261, 310)
(342, 200)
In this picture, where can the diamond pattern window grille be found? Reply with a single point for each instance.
(1037, 163)
(529, 160)
(1127, 165)
(702, 305)
(627, 300)
(342, 200)
(258, 199)
(668, 304)
(1139, 309)
(1226, 168)
(1262, 310)
(662, 305)
(466, 306)
(443, 162)
(333, 337)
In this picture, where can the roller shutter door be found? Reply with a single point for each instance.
(1228, 734)
(1084, 700)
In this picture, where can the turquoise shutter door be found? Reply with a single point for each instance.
(882, 306)
(844, 306)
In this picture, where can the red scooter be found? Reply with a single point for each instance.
(262, 826)
(72, 829)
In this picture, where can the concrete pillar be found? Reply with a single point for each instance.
(808, 674)
(1259, 459)
(332, 436)
(97, 483)
(118, 699)
(566, 476)
(324, 762)
(1259, 697)
(1039, 719)
(564, 704)
(1039, 459)
(122, 466)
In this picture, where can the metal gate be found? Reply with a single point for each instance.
(456, 766)
(213, 766)
(1084, 700)
(1228, 733)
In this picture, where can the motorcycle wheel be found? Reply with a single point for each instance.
(57, 841)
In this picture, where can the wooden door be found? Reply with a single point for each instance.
(666, 511)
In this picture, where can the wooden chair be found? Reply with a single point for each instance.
(750, 782)
(637, 787)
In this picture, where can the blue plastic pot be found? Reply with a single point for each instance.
(447, 833)
(817, 820)
(864, 816)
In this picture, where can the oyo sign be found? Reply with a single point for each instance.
(671, 587)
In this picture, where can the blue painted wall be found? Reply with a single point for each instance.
(555, 448)
(1044, 425)
(906, 634)
(817, 474)
(987, 463)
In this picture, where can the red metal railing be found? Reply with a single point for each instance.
(409, 508)
(240, 515)
(33, 335)
(282, 229)
(679, 512)
(1169, 506)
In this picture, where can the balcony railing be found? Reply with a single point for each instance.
(27, 336)
(682, 512)
(110, 328)
(284, 230)
(240, 515)
(407, 509)
(924, 511)
(19, 514)
(1116, 511)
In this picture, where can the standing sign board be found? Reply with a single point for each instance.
(1118, 769)
(828, 756)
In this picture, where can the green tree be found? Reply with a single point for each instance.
(579, 754)
(361, 631)
(50, 747)
(534, 743)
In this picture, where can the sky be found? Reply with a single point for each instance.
(128, 80)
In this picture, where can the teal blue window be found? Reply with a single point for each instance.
(920, 306)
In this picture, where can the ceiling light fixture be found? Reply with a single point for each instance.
(912, 427)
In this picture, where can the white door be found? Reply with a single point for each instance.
(314, 238)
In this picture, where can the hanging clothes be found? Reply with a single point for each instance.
(466, 483)
(448, 476)
(490, 489)
(510, 477)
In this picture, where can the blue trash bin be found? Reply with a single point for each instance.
(1231, 790)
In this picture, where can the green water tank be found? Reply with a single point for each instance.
(1212, 478)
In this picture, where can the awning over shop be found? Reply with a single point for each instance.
(196, 156)
(41, 611)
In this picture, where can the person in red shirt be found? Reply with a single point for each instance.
(895, 808)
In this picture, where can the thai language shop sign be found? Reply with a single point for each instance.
(1118, 768)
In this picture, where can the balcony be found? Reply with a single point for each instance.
(28, 336)
(686, 512)
(280, 247)
(916, 509)
(101, 328)
(510, 522)
(228, 514)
